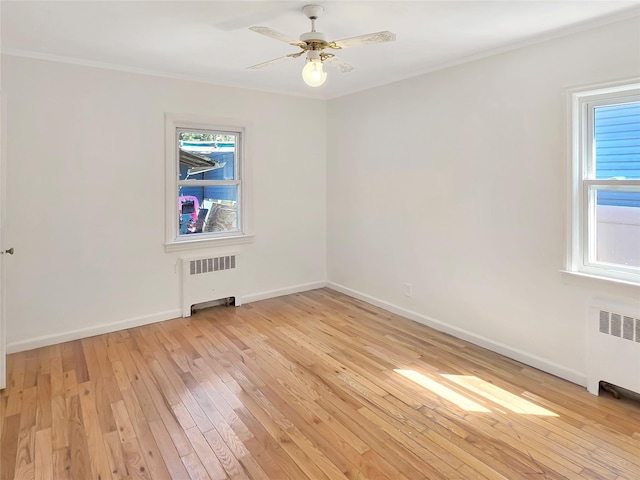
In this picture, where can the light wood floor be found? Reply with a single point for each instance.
(308, 386)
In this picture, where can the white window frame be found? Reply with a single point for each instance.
(580, 250)
(174, 241)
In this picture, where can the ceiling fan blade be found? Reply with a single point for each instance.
(378, 37)
(340, 64)
(270, 62)
(271, 33)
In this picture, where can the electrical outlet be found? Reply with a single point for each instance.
(408, 289)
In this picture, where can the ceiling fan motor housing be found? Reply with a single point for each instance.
(310, 37)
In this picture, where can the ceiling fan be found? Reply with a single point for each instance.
(314, 43)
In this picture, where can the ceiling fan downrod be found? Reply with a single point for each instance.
(315, 40)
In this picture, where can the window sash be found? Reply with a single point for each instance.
(590, 223)
(588, 126)
(238, 149)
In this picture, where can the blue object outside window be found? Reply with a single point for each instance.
(617, 150)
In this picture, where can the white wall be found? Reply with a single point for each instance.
(455, 182)
(85, 197)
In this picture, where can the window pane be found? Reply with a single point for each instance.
(617, 141)
(207, 155)
(208, 209)
(617, 227)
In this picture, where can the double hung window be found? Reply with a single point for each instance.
(205, 184)
(605, 194)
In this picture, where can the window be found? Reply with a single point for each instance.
(604, 239)
(206, 198)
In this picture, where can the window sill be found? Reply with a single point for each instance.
(601, 278)
(184, 245)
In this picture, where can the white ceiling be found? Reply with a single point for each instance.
(210, 41)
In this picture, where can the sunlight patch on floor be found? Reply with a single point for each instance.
(499, 395)
(477, 386)
(442, 391)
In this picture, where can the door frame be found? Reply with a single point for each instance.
(3, 203)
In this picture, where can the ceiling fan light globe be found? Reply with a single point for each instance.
(313, 74)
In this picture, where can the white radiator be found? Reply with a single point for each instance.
(208, 278)
(613, 354)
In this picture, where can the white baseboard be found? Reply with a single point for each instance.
(46, 340)
(283, 291)
(516, 354)
(513, 353)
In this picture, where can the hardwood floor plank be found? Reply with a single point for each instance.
(94, 433)
(160, 402)
(194, 467)
(335, 448)
(56, 376)
(59, 419)
(62, 463)
(26, 472)
(15, 385)
(128, 440)
(379, 441)
(120, 375)
(439, 466)
(70, 384)
(267, 451)
(272, 436)
(79, 361)
(43, 463)
(206, 455)
(183, 392)
(30, 369)
(79, 461)
(137, 467)
(226, 457)
(115, 456)
(25, 452)
(316, 386)
(123, 422)
(168, 450)
(43, 402)
(153, 462)
(28, 408)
